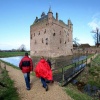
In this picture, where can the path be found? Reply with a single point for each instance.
(37, 92)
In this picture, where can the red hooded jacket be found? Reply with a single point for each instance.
(26, 64)
(42, 69)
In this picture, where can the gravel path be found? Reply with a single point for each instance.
(37, 92)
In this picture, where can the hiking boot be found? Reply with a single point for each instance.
(46, 88)
(27, 88)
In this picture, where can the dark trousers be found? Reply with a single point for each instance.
(43, 82)
(27, 80)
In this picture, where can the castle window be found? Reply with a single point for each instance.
(60, 32)
(34, 34)
(39, 33)
(60, 40)
(46, 41)
(54, 34)
(65, 42)
(45, 31)
(42, 40)
(31, 36)
(58, 47)
(35, 42)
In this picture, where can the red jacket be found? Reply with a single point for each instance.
(42, 69)
(26, 64)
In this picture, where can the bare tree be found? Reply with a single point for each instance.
(22, 48)
(96, 36)
(75, 41)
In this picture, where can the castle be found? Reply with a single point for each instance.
(50, 37)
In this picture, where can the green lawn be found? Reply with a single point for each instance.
(10, 54)
(8, 92)
(91, 75)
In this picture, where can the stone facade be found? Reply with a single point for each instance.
(50, 37)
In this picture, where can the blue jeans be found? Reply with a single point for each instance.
(43, 82)
(27, 79)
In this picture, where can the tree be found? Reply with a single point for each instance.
(96, 36)
(75, 41)
(22, 48)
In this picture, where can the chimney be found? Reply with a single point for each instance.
(36, 18)
(57, 16)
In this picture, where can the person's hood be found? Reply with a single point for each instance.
(42, 60)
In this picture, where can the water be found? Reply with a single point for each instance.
(13, 60)
(87, 88)
(79, 59)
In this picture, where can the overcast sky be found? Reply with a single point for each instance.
(16, 16)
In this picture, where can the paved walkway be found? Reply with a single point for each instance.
(37, 92)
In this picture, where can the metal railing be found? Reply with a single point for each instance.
(66, 72)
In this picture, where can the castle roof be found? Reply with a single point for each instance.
(42, 18)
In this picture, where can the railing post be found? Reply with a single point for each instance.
(0, 64)
(75, 64)
(62, 75)
(91, 62)
(86, 61)
(5, 66)
(82, 62)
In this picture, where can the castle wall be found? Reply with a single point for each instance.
(50, 38)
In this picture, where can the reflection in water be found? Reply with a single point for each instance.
(79, 59)
(13, 60)
(87, 88)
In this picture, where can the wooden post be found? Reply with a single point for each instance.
(0, 64)
(91, 62)
(86, 61)
(5, 66)
(62, 75)
(75, 64)
(82, 61)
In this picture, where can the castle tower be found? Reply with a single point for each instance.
(50, 37)
(50, 15)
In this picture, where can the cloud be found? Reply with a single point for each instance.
(95, 23)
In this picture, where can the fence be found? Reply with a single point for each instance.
(95, 63)
(66, 72)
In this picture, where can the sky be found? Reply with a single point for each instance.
(16, 17)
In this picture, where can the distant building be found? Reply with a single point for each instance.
(50, 37)
(84, 46)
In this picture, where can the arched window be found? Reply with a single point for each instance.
(60, 40)
(46, 41)
(34, 34)
(35, 42)
(60, 32)
(31, 36)
(45, 31)
(39, 33)
(54, 34)
(42, 40)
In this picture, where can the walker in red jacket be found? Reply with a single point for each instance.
(26, 65)
(43, 71)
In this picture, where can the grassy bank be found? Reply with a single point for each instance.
(7, 89)
(91, 75)
(11, 54)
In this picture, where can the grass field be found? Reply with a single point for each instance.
(91, 75)
(7, 89)
(10, 54)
